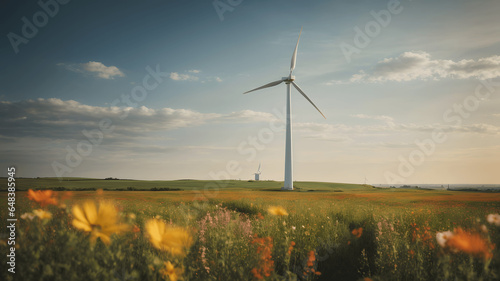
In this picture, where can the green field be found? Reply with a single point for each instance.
(339, 232)
(122, 184)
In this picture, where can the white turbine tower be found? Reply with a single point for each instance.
(288, 184)
(257, 175)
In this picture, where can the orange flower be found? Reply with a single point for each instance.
(44, 197)
(256, 274)
(470, 243)
(290, 248)
(67, 195)
(311, 258)
(264, 250)
(357, 232)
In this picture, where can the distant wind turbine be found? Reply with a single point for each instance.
(257, 175)
(288, 184)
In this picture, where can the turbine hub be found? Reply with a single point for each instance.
(288, 79)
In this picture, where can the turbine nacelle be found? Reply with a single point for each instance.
(288, 79)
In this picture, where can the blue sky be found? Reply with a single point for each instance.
(431, 68)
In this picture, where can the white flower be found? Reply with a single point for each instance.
(29, 216)
(293, 227)
(493, 219)
(442, 237)
(484, 228)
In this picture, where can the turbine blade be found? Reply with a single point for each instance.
(307, 98)
(294, 56)
(266, 86)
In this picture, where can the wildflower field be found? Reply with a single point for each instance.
(252, 231)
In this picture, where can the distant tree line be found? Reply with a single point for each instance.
(130, 188)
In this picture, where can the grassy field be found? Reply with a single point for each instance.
(86, 183)
(212, 230)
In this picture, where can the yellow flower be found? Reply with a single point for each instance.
(101, 222)
(170, 271)
(277, 211)
(168, 238)
(42, 214)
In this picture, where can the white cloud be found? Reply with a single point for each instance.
(182, 77)
(387, 119)
(329, 137)
(96, 68)
(102, 71)
(387, 144)
(58, 119)
(212, 79)
(194, 75)
(336, 82)
(392, 127)
(376, 117)
(250, 116)
(419, 66)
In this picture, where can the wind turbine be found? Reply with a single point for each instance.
(288, 184)
(257, 175)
